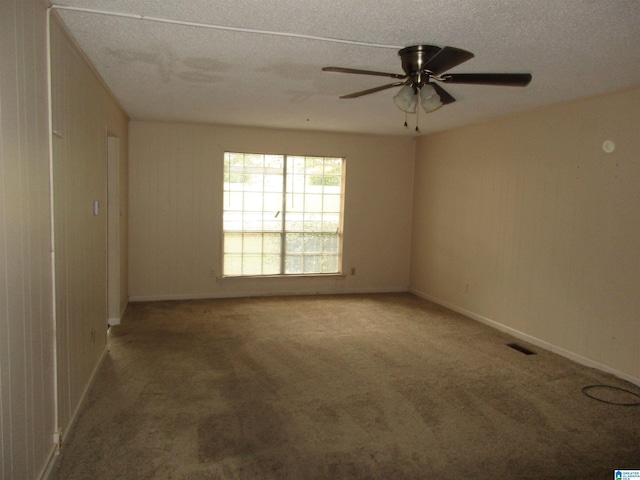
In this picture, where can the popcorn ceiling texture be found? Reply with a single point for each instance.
(160, 71)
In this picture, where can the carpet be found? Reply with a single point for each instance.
(376, 386)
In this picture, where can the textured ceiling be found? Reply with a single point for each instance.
(163, 71)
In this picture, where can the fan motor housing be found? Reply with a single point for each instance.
(413, 58)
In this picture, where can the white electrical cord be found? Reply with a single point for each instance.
(52, 246)
(222, 27)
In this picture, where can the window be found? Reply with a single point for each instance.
(282, 214)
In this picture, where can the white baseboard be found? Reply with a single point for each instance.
(51, 463)
(56, 450)
(259, 293)
(116, 320)
(587, 362)
(83, 398)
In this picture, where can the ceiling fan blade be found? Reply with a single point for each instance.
(503, 79)
(446, 59)
(372, 90)
(362, 72)
(445, 97)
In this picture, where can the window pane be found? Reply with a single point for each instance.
(254, 160)
(272, 244)
(296, 164)
(252, 243)
(254, 181)
(312, 264)
(253, 201)
(234, 158)
(294, 222)
(313, 203)
(295, 243)
(312, 222)
(232, 221)
(254, 185)
(232, 264)
(252, 221)
(273, 184)
(330, 244)
(331, 203)
(274, 161)
(330, 264)
(314, 165)
(333, 166)
(273, 202)
(272, 225)
(293, 264)
(233, 201)
(252, 264)
(271, 265)
(233, 243)
(295, 202)
(312, 243)
(331, 223)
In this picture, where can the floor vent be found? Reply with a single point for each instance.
(521, 349)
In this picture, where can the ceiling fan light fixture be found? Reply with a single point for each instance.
(429, 98)
(406, 99)
(422, 64)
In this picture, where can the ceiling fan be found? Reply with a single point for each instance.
(424, 63)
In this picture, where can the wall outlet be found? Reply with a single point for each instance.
(353, 270)
(57, 439)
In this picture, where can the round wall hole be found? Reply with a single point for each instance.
(608, 146)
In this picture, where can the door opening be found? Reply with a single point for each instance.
(113, 231)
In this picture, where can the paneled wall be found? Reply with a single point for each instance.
(27, 404)
(527, 223)
(176, 174)
(83, 113)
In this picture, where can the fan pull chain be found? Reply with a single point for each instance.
(405, 119)
(417, 118)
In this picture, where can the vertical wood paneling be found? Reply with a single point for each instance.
(176, 209)
(553, 251)
(27, 416)
(83, 111)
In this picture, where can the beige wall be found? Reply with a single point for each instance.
(526, 223)
(176, 209)
(83, 112)
(27, 403)
(523, 222)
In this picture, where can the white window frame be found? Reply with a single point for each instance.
(279, 247)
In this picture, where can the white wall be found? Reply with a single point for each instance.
(526, 222)
(27, 405)
(176, 173)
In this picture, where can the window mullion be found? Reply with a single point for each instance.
(283, 238)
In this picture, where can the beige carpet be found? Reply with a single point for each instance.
(384, 386)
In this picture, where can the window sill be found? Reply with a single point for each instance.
(296, 276)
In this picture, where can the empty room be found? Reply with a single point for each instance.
(319, 240)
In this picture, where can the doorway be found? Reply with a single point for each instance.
(113, 231)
